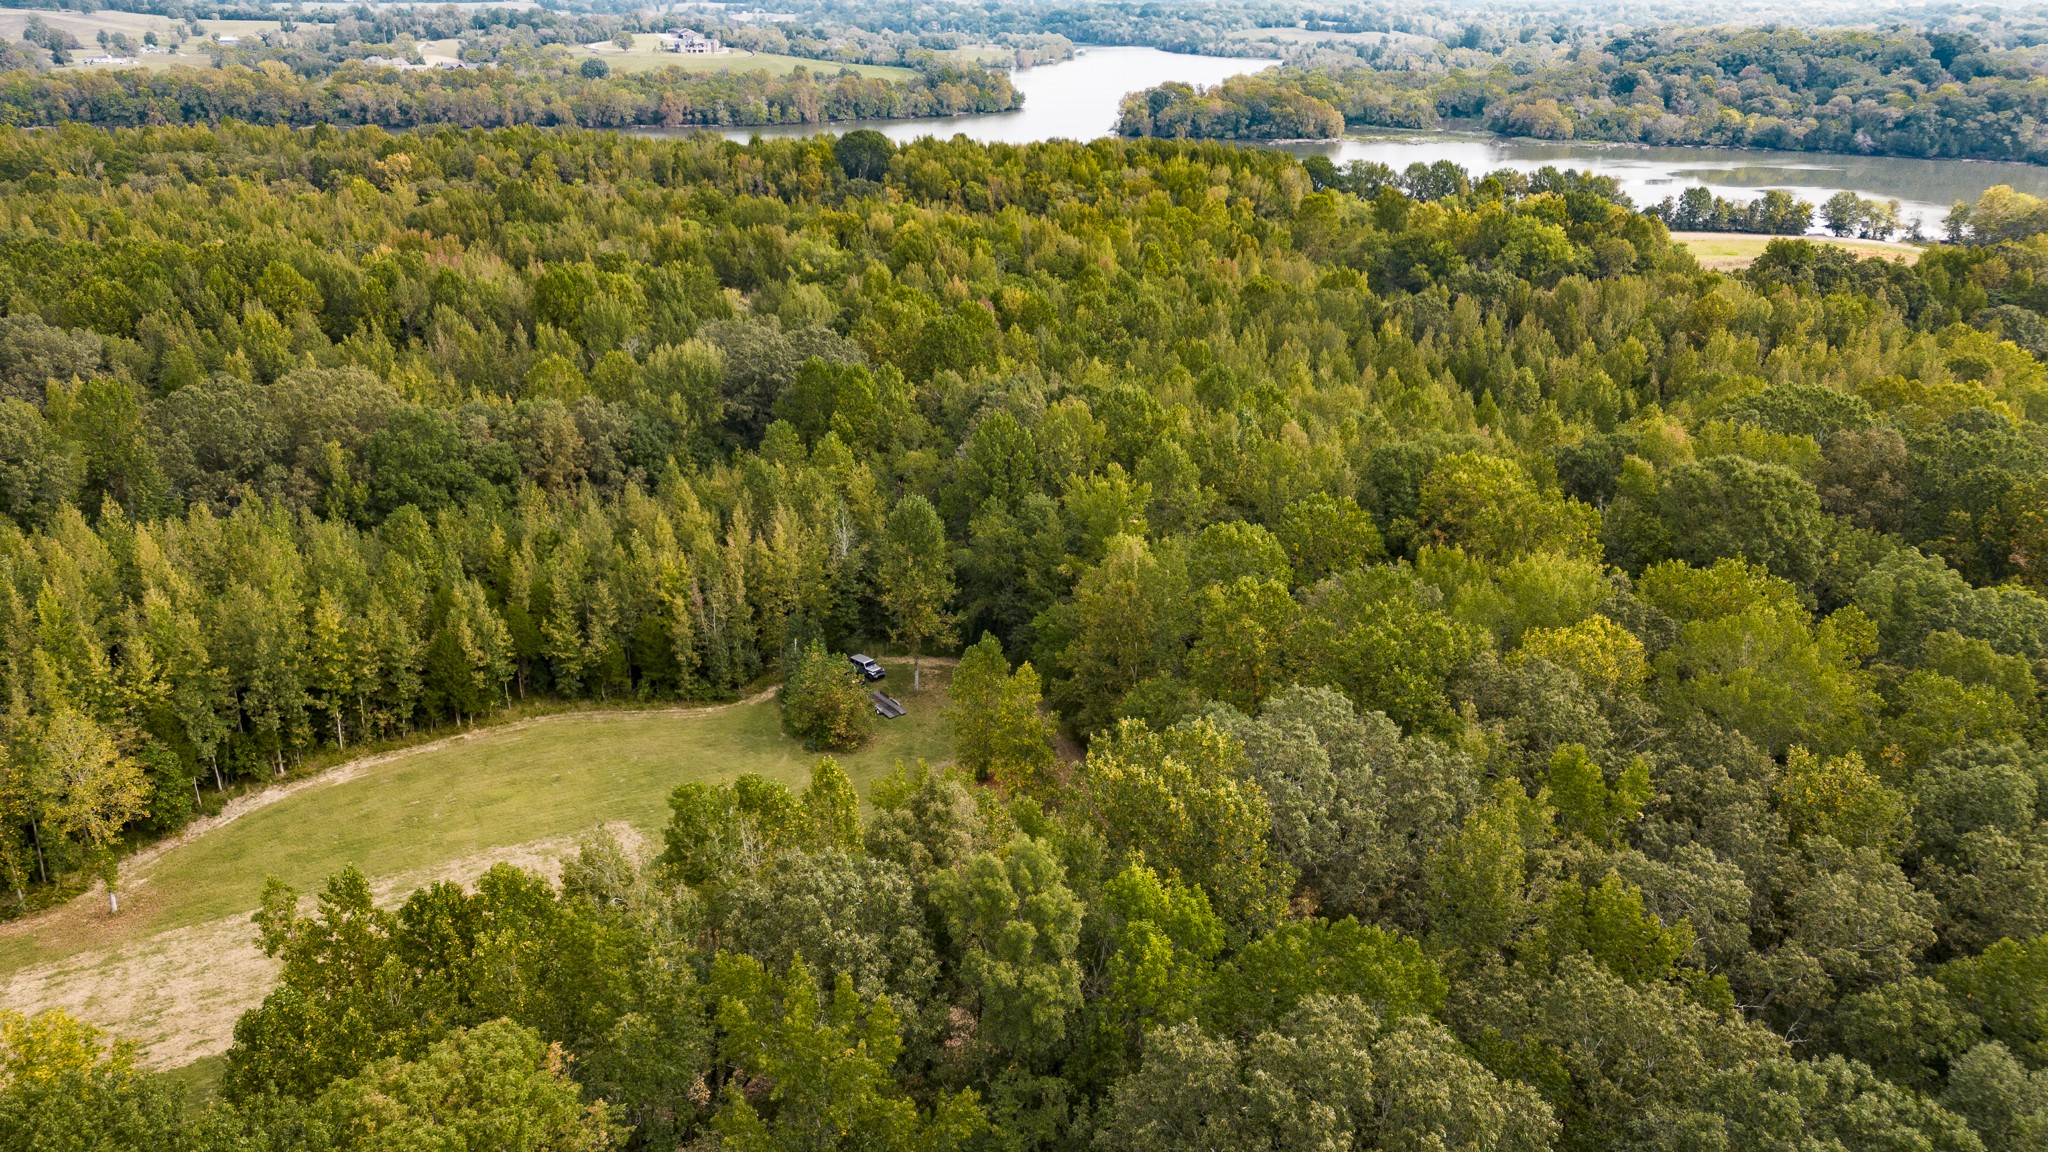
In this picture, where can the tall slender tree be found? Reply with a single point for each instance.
(914, 580)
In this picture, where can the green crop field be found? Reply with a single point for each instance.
(178, 963)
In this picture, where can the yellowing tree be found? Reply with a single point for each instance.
(1841, 798)
(1605, 656)
(96, 789)
(1182, 801)
(1488, 506)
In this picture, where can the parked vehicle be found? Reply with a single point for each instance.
(868, 668)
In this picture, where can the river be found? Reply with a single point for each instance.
(1074, 99)
(1925, 189)
(1077, 99)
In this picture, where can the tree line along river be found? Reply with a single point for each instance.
(1078, 99)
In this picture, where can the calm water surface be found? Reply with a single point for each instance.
(1077, 100)
(1074, 99)
(1924, 188)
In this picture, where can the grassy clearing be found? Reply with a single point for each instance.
(195, 1081)
(441, 51)
(154, 62)
(646, 56)
(495, 789)
(177, 965)
(1727, 251)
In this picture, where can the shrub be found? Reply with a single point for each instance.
(823, 705)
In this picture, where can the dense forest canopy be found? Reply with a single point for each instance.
(1533, 693)
(360, 95)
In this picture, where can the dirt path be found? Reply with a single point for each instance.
(178, 993)
(341, 773)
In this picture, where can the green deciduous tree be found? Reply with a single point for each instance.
(1301, 959)
(1843, 799)
(1243, 635)
(1124, 626)
(1378, 636)
(1328, 1076)
(1747, 656)
(1476, 876)
(497, 1085)
(1165, 940)
(1487, 506)
(1018, 925)
(823, 704)
(1325, 535)
(2005, 1102)
(1584, 799)
(820, 1064)
(1731, 506)
(914, 579)
(1604, 656)
(2006, 986)
(1609, 922)
(1181, 801)
(832, 807)
(999, 733)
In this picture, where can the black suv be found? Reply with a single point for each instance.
(868, 667)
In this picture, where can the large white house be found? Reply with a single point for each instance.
(690, 42)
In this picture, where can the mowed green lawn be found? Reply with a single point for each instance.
(496, 790)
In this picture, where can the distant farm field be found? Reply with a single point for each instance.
(87, 26)
(178, 964)
(646, 56)
(1726, 251)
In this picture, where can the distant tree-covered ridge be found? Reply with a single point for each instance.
(491, 97)
(1898, 94)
